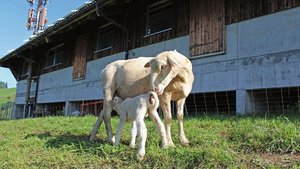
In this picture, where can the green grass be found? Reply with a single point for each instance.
(216, 142)
(7, 95)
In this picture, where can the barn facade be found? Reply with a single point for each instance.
(245, 53)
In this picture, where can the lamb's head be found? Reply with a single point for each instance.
(164, 67)
(116, 103)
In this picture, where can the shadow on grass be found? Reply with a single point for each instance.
(75, 143)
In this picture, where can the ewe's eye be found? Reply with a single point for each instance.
(163, 67)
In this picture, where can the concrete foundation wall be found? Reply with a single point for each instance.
(262, 52)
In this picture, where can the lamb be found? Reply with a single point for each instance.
(136, 109)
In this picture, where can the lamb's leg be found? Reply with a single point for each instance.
(120, 129)
(133, 133)
(142, 137)
(180, 104)
(160, 127)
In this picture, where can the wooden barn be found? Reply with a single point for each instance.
(245, 54)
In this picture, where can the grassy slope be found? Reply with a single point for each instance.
(216, 142)
(5, 93)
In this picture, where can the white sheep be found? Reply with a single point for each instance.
(135, 110)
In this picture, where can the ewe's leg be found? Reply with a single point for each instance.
(96, 127)
(107, 119)
(166, 107)
(160, 127)
(183, 140)
(133, 132)
(106, 116)
(120, 128)
(142, 137)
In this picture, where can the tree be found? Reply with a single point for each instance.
(3, 85)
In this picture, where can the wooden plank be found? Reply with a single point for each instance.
(207, 25)
(80, 56)
(239, 10)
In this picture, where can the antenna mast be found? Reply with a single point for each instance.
(36, 18)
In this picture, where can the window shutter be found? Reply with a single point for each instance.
(207, 26)
(80, 57)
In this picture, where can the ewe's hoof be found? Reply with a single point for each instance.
(92, 138)
(184, 142)
(140, 157)
(112, 140)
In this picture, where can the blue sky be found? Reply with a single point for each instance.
(13, 16)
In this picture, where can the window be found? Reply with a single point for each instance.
(25, 69)
(54, 56)
(159, 18)
(104, 40)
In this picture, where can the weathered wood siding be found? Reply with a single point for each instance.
(207, 26)
(203, 20)
(238, 10)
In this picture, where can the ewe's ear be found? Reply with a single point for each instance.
(147, 64)
(174, 63)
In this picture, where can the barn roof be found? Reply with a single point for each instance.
(75, 15)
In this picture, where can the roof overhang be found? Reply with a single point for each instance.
(74, 16)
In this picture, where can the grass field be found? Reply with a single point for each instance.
(7, 95)
(216, 142)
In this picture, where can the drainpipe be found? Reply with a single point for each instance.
(123, 28)
(27, 97)
(37, 80)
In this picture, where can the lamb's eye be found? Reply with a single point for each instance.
(163, 67)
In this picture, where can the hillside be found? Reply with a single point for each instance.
(7, 95)
(216, 142)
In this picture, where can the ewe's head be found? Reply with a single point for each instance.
(164, 67)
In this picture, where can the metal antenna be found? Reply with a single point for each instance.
(36, 18)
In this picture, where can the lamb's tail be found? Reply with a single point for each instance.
(153, 100)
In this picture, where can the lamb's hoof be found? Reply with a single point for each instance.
(184, 142)
(164, 145)
(140, 157)
(171, 144)
(132, 146)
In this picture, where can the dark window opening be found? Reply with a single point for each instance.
(104, 40)
(54, 56)
(25, 71)
(159, 18)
